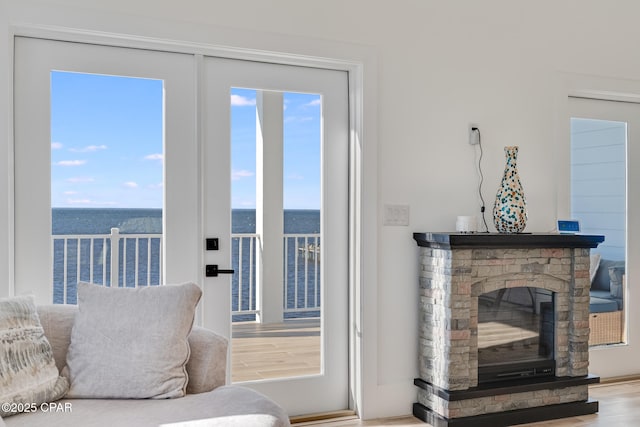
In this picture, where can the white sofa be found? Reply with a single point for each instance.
(209, 402)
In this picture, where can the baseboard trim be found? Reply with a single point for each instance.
(323, 416)
(617, 380)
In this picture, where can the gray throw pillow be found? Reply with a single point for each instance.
(28, 372)
(131, 343)
(615, 274)
(602, 281)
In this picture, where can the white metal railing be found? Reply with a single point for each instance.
(302, 279)
(301, 264)
(132, 260)
(245, 251)
(128, 260)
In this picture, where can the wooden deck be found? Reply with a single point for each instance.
(266, 351)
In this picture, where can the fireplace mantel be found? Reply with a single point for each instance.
(499, 240)
(455, 269)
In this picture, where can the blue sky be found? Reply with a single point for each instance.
(106, 144)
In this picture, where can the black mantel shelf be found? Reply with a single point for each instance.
(447, 240)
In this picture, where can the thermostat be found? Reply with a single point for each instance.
(568, 226)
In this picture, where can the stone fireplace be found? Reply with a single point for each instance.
(504, 328)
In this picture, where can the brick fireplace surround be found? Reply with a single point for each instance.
(454, 270)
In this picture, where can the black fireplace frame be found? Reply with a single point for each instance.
(523, 369)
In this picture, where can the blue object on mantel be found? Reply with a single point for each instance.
(444, 240)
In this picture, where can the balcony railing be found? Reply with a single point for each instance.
(130, 260)
(133, 260)
(301, 273)
(301, 264)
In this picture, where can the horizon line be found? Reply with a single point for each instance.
(112, 208)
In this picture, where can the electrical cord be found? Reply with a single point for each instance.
(482, 207)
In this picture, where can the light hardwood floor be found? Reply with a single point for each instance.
(292, 348)
(619, 407)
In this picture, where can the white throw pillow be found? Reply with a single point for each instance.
(131, 343)
(28, 372)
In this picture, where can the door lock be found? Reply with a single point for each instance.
(212, 270)
(212, 244)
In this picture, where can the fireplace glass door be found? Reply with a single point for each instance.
(515, 334)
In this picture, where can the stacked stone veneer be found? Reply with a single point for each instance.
(451, 281)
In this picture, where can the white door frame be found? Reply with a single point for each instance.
(362, 227)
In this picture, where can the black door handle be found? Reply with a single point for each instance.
(212, 270)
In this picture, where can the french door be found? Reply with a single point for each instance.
(325, 388)
(604, 143)
(195, 157)
(35, 61)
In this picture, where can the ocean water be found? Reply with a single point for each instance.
(135, 221)
(100, 221)
(84, 259)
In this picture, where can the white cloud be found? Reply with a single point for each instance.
(239, 174)
(70, 162)
(295, 176)
(156, 186)
(56, 145)
(70, 193)
(314, 103)
(131, 184)
(89, 149)
(241, 101)
(155, 156)
(80, 179)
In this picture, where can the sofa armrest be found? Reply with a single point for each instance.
(57, 322)
(207, 366)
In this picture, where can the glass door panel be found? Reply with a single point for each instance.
(598, 199)
(106, 181)
(284, 343)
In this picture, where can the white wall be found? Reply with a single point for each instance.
(440, 65)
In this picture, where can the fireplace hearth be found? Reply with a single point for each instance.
(504, 328)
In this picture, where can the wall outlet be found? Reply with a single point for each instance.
(396, 215)
(474, 134)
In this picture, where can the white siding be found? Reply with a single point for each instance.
(598, 181)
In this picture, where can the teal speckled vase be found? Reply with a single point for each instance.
(510, 209)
